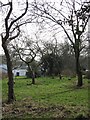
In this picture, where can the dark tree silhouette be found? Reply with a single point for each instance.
(12, 31)
(26, 53)
(73, 23)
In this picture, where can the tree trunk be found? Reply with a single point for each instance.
(78, 70)
(33, 78)
(88, 73)
(32, 74)
(80, 81)
(11, 96)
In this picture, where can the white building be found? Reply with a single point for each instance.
(3, 71)
(19, 72)
(16, 72)
(3, 68)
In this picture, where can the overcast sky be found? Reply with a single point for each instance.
(1, 17)
(30, 28)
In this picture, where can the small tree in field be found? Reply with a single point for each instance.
(73, 21)
(26, 50)
(12, 30)
(50, 58)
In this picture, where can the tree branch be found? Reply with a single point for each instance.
(19, 16)
(15, 36)
(6, 21)
(85, 24)
(67, 35)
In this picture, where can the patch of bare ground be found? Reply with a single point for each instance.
(28, 108)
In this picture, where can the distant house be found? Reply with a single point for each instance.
(20, 71)
(3, 71)
(3, 68)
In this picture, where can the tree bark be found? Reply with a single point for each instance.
(32, 74)
(88, 74)
(11, 96)
(78, 69)
(33, 78)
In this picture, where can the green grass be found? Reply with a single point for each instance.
(47, 98)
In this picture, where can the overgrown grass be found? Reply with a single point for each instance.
(47, 98)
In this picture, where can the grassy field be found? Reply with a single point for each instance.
(48, 98)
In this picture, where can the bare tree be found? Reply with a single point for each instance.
(89, 49)
(50, 59)
(72, 17)
(27, 51)
(12, 31)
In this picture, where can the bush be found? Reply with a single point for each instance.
(68, 72)
(88, 74)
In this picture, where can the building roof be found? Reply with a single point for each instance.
(3, 66)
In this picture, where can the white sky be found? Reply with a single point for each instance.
(1, 17)
(30, 28)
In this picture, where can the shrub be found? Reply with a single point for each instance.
(88, 74)
(68, 72)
